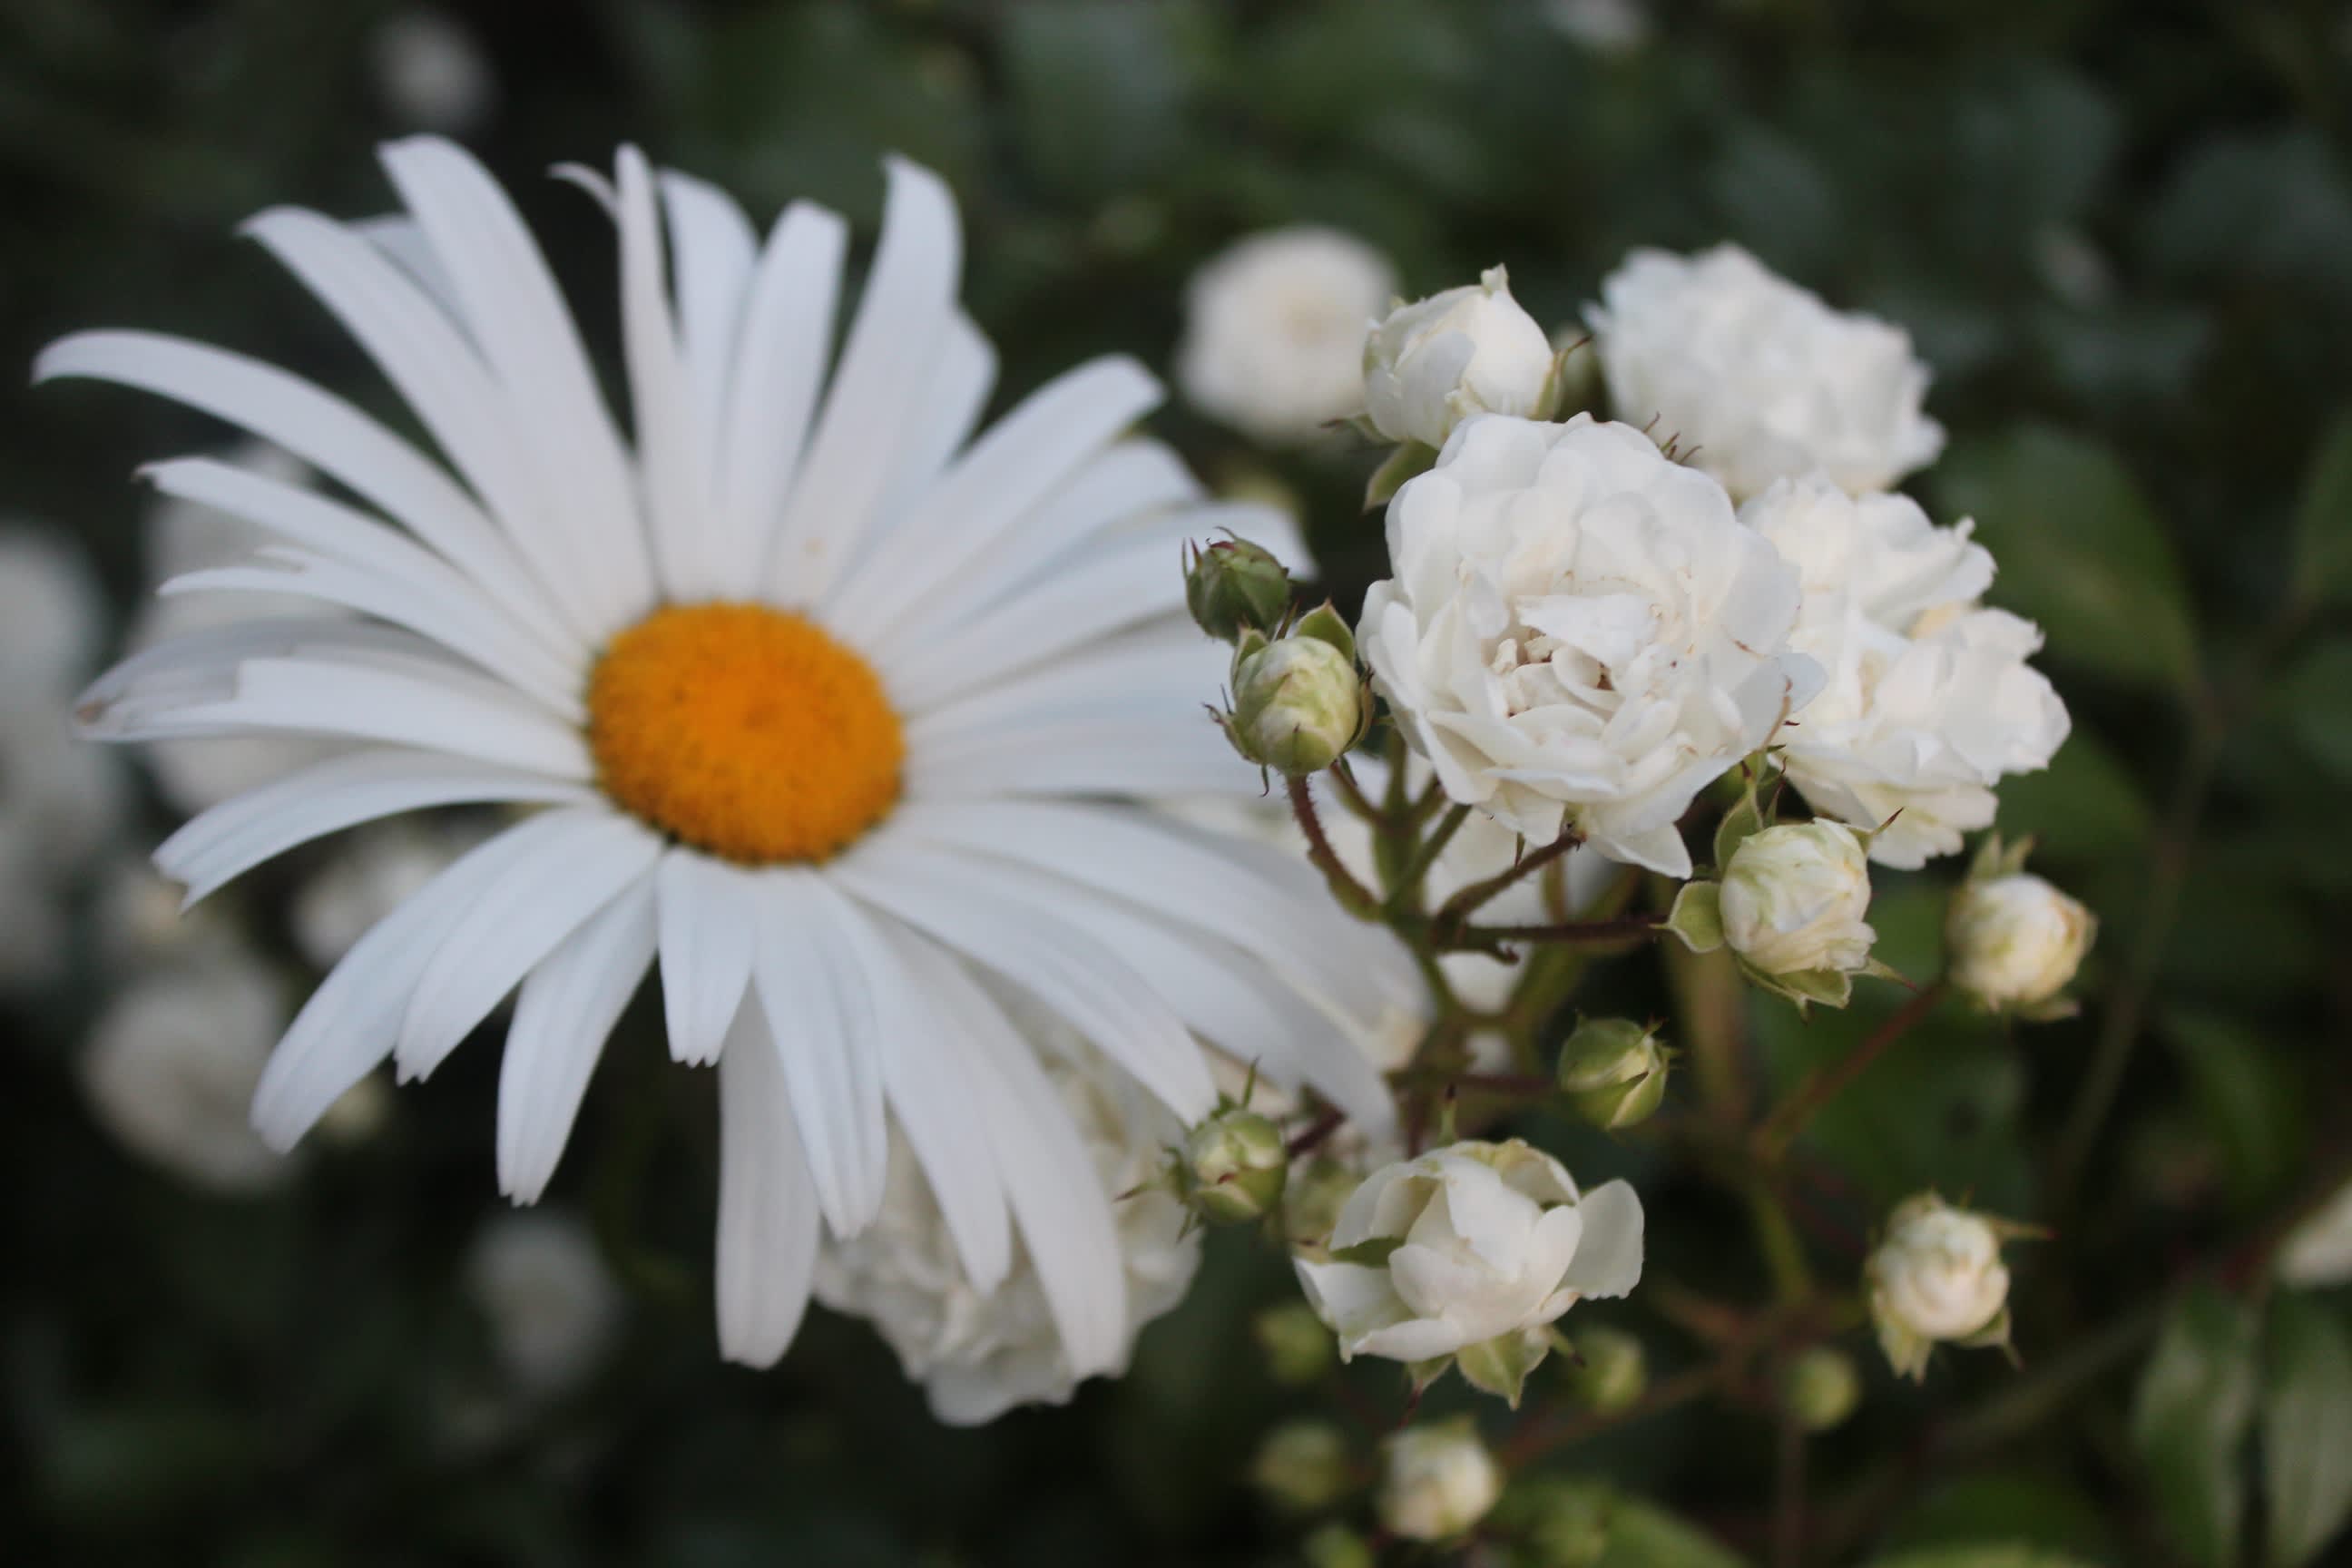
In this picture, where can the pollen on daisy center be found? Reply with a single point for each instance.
(744, 731)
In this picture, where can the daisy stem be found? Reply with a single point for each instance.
(1826, 1082)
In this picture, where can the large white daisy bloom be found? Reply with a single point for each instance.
(1929, 702)
(1579, 633)
(822, 704)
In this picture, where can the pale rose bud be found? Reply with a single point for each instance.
(1467, 1244)
(1794, 898)
(1611, 1370)
(1614, 1072)
(1302, 1466)
(1233, 585)
(1432, 364)
(1821, 1388)
(1938, 1276)
(2015, 940)
(1234, 1164)
(1298, 704)
(1437, 1480)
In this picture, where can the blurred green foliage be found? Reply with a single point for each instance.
(2121, 230)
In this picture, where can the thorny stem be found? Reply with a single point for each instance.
(1353, 896)
(1826, 1082)
(1463, 904)
(1625, 929)
(1352, 793)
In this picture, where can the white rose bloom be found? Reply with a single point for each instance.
(1928, 700)
(1434, 363)
(1579, 633)
(552, 1305)
(978, 1354)
(432, 73)
(1436, 1480)
(2015, 940)
(1274, 332)
(1938, 1276)
(379, 869)
(1481, 1240)
(2318, 1251)
(170, 1067)
(1755, 377)
(1793, 901)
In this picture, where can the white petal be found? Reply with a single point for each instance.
(231, 839)
(1608, 1260)
(962, 374)
(578, 861)
(1130, 756)
(909, 301)
(767, 1207)
(677, 503)
(712, 249)
(331, 435)
(1160, 669)
(707, 934)
(824, 1023)
(398, 236)
(568, 1006)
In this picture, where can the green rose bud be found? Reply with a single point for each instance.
(1232, 585)
(1298, 704)
(1298, 1348)
(1312, 1198)
(1611, 1371)
(1336, 1546)
(1614, 1072)
(1302, 1466)
(1234, 1165)
(1821, 1388)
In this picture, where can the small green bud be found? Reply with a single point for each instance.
(1610, 1370)
(1821, 1388)
(1336, 1546)
(1234, 1165)
(1614, 1072)
(1312, 1198)
(1298, 704)
(1298, 1348)
(1232, 585)
(1564, 1525)
(1302, 1466)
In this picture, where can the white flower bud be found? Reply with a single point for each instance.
(1298, 704)
(1437, 1480)
(1432, 364)
(1822, 1388)
(1466, 1244)
(1794, 898)
(2015, 940)
(1938, 1276)
(1234, 1165)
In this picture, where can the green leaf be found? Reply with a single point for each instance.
(2251, 1107)
(1098, 90)
(2315, 697)
(2080, 551)
(2307, 1418)
(2190, 1421)
(1697, 916)
(2086, 804)
(2323, 523)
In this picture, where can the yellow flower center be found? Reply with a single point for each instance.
(743, 730)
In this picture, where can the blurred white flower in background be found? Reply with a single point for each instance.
(978, 1352)
(378, 870)
(1938, 1276)
(2318, 1251)
(2015, 940)
(1437, 1479)
(431, 72)
(1754, 379)
(1274, 330)
(552, 1305)
(1604, 27)
(1928, 701)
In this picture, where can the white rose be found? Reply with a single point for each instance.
(1793, 901)
(538, 1279)
(1436, 1480)
(1579, 633)
(1472, 350)
(2318, 1251)
(1937, 1276)
(1480, 1240)
(1274, 332)
(978, 1352)
(1928, 700)
(2015, 940)
(1755, 377)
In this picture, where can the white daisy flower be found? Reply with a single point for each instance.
(823, 706)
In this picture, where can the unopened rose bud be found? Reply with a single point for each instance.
(1434, 363)
(1298, 704)
(1234, 1164)
(1821, 1388)
(1312, 1200)
(1614, 1072)
(1794, 897)
(1336, 1546)
(1299, 1349)
(1233, 585)
(1302, 1466)
(1564, 1525)
(1611, 1371)
(1437, 1480)
(2015, 940)
(1938, 1276)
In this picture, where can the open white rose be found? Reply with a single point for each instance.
(1794, 898)
(1755, 377)
(1432, 364)
(1436, 1480)
(1579, 633)
(1938, 1276)
(1274, 331)
(1477, 1240)
(1928, 700)
(2015, 940)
